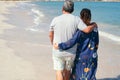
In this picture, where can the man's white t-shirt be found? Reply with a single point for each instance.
(64, 26)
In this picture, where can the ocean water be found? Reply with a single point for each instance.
(105, 14)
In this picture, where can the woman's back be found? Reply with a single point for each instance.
(87, 45)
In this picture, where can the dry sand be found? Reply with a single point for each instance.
(108, 62)
(21, 59)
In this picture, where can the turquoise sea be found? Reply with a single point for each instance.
(105, 14)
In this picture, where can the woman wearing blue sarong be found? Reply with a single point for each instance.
(85, 64)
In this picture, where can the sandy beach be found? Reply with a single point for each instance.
(26, 55)
(20, 58)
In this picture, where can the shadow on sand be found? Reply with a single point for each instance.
(117, 78)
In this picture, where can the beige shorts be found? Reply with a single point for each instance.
(63, 62)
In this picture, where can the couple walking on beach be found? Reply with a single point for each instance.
(75, 42)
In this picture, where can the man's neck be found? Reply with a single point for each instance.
(64, 12)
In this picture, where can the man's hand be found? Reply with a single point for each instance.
(51, 36)
(94, 24)
(55, 45)
(90, 27)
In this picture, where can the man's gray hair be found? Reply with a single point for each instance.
(68, 6)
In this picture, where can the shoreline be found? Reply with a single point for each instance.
(28, 56)
(19, 55)
(12, 67)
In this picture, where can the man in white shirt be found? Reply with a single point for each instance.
(62, 29)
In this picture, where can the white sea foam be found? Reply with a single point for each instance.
(32, 29)
(35, 30)
(37, 20)
(33, 10)
(110, 36)
(37, 16)
(109, 31)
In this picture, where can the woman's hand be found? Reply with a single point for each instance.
(55, 45)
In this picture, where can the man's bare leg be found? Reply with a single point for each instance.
(59, 75)
(66, 74)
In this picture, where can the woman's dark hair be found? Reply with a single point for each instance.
(68, 6)
(85, 15)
